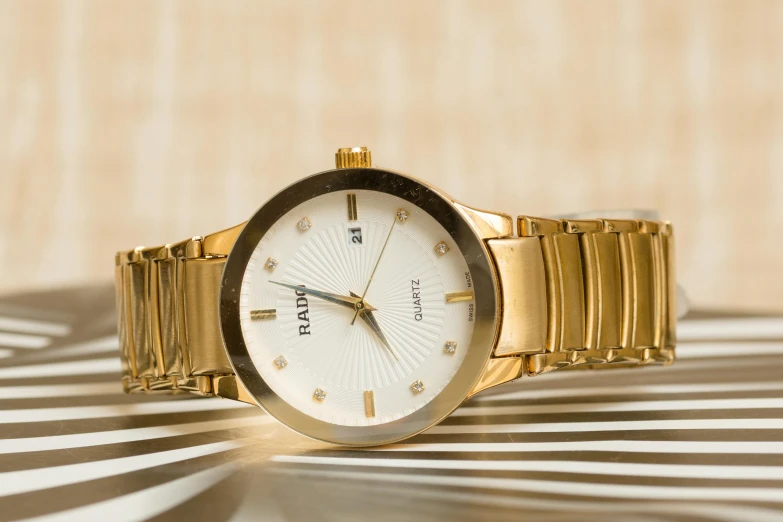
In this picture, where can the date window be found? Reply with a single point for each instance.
(355, 236)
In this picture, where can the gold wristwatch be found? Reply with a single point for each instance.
(361, 306)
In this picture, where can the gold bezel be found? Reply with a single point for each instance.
(486, 299)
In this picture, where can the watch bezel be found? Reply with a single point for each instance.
(486, 300)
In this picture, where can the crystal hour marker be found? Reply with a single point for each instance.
(417, 387)
(319, 395)
(402, 215)
(450, 347)
(269, 313)
(441, 248)
(353, 211)
(271, 264)
(369, 403)
(281, 362)
(304, 224)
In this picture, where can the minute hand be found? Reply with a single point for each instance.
(342, 300)
(377, 263)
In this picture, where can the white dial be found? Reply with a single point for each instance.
(356, 308)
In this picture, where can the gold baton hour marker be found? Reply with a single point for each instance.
(457, 297)
(369, 403)
(270, 313)
(353, 212)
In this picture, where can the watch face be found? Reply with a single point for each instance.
(358, 306)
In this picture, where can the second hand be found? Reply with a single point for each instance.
(372, 274)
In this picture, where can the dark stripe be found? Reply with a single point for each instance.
(611, 416)
(216, 504)
(61, 379)
(625, 398)
(724, 435)
(687, 372)
(54, 358)
(63, 457)
(67, 427)
(89, 400)
(706, 459)
(348, 501)
(699, 314)
(52, 500)
(15, 349)
(338, 500)
(564, 477)
(354, 491)
(720, 341)
(89, 311)
(10, 306)
(85, 330)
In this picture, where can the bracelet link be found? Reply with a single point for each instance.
(168, 322)
(610, 293)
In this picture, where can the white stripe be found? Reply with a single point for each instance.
(107, 344)
(146, 503)
(709, 350)
(18, 340)
(624, 391)
(13, 324)
(60, 390)
(100, 438)
(576, 427)
(94, 366)
(546, 487)
(730, 328)
(117, 410)
(672, 405)
(559, 466)
(608, 446)
(5, 352)
(24, 481)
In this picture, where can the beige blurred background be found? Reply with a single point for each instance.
(127, 123)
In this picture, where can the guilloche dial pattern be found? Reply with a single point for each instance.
(326, 262)
(396, 340)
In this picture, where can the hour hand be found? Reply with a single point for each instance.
(372, 322)
(369, 318)
(342, 300)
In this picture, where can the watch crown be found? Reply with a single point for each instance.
(355, 157)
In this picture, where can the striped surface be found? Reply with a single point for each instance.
(702, 440)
